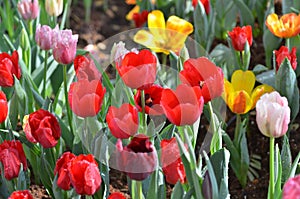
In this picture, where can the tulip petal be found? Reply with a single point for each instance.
(239, 102)
(259, 91)
(243, 80)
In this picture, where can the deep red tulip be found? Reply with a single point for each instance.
(152, 100)
(182, 106)
(122, 122)
(42, 127)
(205, 74)
(12, 156)
(116, 195)
(283, 53)
(205, 4)
(84, 174)
(3, 107)
(138, 159)
(24, 194)
(61, 169)
(86, 97)
(140, 18)
(138, 70)
(239, 36)
(85, 68)
(171, 162)
(9, 67)
(64, 47)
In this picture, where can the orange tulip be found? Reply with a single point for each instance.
(284, 27)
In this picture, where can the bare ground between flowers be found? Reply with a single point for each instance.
(106, 23)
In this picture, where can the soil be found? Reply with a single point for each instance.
(109, 22)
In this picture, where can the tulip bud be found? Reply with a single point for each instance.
(272, 115)
(54, 7)
(43, 37)
(29, 9)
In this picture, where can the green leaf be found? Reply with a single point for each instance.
(286, 159)
(178, 191)
(271, 43)
(212, 176)
(286, 6)
(245, 13)
(278, 172)
(294, 166)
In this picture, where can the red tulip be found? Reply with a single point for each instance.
(3, 107)
(182, 106)
(61, 169)
(64, 48)
(205, 74)
(171, 162)
(152, 100)
(85, 68)
(138, 70)
(140, 18)
(283, 53)
(24, 194)
(86, 97)
(9, 67)
(84, 174)
(12, 156)
(42, 127)
(116, 195)
(138, 159)
(239, 36)
(205, 3)
(122, 122)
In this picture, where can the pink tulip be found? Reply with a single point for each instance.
(29, 9)
(272, 115)
(43, 37)
(291, 188)
(64, 47)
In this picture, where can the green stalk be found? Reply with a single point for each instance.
(139, 187)
(143, 110)
(69, 113)
(45, 73)
(287, 43)
(237, 130)
(271, 183)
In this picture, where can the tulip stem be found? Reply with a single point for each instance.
(271, 184)
(237, 129)
(143, 109)
(139, 187)
(69, 113)
(287, 43)
(45, 73)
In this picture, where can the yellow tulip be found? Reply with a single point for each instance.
(284, 27)
(239, 95)
(164, 36)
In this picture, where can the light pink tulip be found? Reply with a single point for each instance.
(29, 9)
(291, 189)
(64, 46)
(43, 37)
(272, 115)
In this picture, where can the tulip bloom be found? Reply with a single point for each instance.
(3, 107)
(61, 169)
(171, 162)
(205, 4)
(138, 159)
(286, 26)
(116, 195)
(164, 36)
(84, 174)
(283, 53)
(64, 47)
(54, 7)
(239, 94)
(122, 122)
(182, 106)
(41, 126)
(152, 100)
(138, 70)
(44, 37)
(140, 18)
(24, 194)
(86, 97)
(9, 67)
(205, 74)
(29, 9)
(12, 156)
(239, 36)
(85, 68)
(291, 188)
(272, 115)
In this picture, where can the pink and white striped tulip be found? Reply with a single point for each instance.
(272, 114)
(29, 9)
